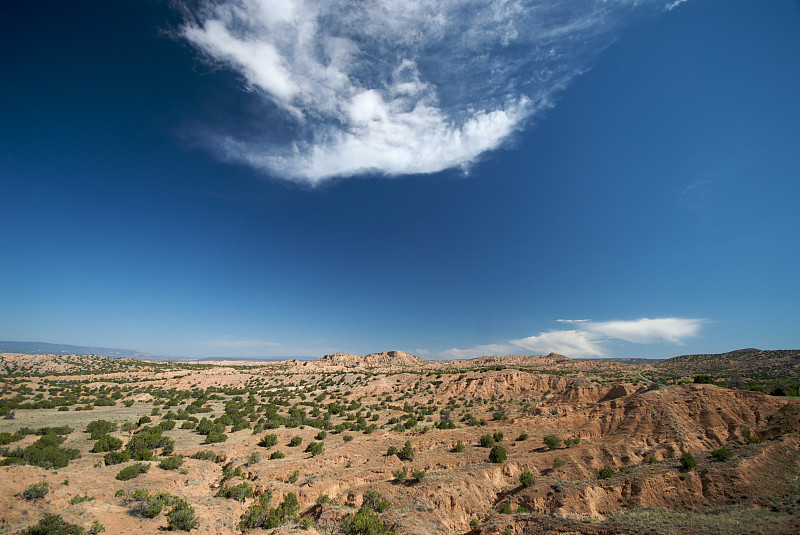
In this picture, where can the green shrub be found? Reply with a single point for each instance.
(277, 454)
(80, 499)
(722, 454)
(574, 441)
(106, 443)
(687, 461)
(487, 441)
(400, 474)
(171, 463)
(458, 447)
(182, 517)
(215, 437)
(526, 479)
(149, 507)
(506, 508)
(498, 454)
(36, 491)
(315, 448)
(51, 524)
(498, 436)
(44, 453)
(347, 438)
(205, 455)
(139, 495)
(229, 471)
(391, 451)
(557, 462)
(132, 471)
(254, 458)
(267, 441)
(703, 380)
(295, 441)
(238, 492)
(751, 437)
(129, 426)
(98, 428)
(407, 452)
(551, 441)
(418, 475)
(522, 436)
(605, 472)
(324, 498)
(292, 479)
(257, 514)
(117, 457)
(374, 501)
(363, 522)
(321, 435)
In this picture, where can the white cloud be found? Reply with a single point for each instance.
(574, 342)
(647, 331)
(589, 340)
(392, 87)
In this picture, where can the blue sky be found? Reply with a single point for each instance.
(283, 178)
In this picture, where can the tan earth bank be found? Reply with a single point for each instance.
(615, 469)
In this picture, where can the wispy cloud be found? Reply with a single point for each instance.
(391, 87)
(672, 5)
(590, 338)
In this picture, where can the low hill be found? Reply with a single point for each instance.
(387, 359)
(745, 363)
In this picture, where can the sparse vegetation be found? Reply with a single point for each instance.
(239, 492)
(721, 454)
(374, 408)
(526, 479)
(605, 472)
(182, 517)
(36, 491)
(51, 524)
(407, 452)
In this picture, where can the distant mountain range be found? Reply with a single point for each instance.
(43, 348)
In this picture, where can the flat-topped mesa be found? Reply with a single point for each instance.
(390, 358)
